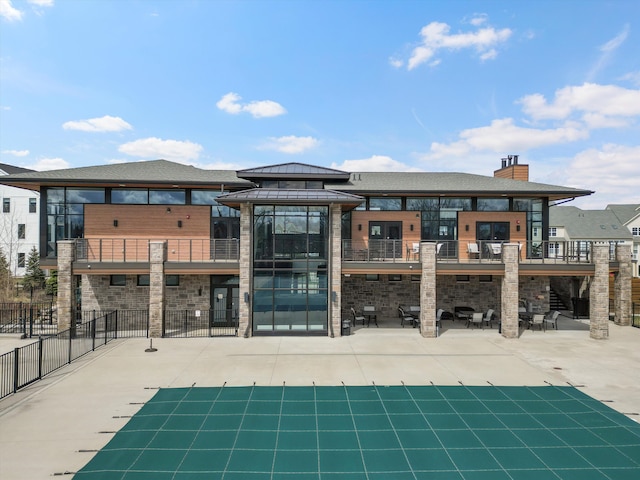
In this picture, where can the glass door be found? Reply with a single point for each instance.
(491, 236)
(224, 301)
(385, 239)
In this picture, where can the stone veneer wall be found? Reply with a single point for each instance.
(384, 294)
(98, 294)
(480, 296)
(534, 291)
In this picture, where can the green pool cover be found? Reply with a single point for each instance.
(372, 432)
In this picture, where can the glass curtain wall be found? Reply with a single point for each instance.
(65, 213)
(535, 222)
(290, 276)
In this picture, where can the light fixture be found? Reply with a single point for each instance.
(359, 226)
(466, 228)
(115, 223)
(179, 223)
(168, 209)
(411, 227)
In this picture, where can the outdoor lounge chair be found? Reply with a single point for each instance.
(357, 318)
(473, 250)
(538, 319)
(476, 319)
(405, 317)
(552, 319)
(488, 318)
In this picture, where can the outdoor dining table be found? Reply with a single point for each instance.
(370, 313)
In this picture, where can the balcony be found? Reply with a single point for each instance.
(453, 251)
(123, 250)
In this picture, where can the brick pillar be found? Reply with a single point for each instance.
(66, 256)
(244, 309)
(335, 291)
(599, 293)
(622, 286)
(157, 257)
(428, 290)
(510, 294)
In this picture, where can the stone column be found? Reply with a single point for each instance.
(510, 292)
(244, 309)
(157, 257)
(622, 286)
(428, 290)
(66, 256)
(335, 290)
(599, 293)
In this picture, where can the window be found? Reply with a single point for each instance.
(167, 197)
(144, 280)
(21, 261)
(385, 203)
(371, 277)
(133, 196)
(395, 278)
(172, 280)
(485, 278)
(6, 205)
(635, 231)
(462, 278)
(553, 232)
(118, 280)
(33, 202)
(493, 204)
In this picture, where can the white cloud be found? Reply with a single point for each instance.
(42, 3)
(504, 136)
(633, 77)
(611, 171)
(478, 19)
(290, 144)
(155, 148)
(9, 12)
(607, 50)
(102, 124)
(396, 62)
(50, 164)
(605, 100)
(436, 37)
(16, 153)
(4, 107)
(258, 109)
(375, 163)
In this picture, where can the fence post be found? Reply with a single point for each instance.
(115, 332)
(16, 361)
(40, 356)
(30, 321)
(92, 327)
(70, 338)
(186, 317)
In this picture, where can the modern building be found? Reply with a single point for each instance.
(19, 221)
(629, 216)
(294, 249)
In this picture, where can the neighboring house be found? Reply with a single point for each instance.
(19, 221)
(294, 249)
(629, 216)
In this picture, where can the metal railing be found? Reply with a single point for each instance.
(29, 319)
(480, 251)
(635, 315)
(111, 250)
(200, 323)
(126, 323)
(25, 365)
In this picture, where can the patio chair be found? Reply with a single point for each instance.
(488, 318)
(357, 318)
(476, 319)
(405, 317)
(552, 319)
(473, 250)
(537, 320)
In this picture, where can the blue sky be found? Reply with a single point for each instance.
(356, 85)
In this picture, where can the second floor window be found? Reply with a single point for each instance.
(21, 260)
(635, 231)
(553, 232)
(32, 205)
(22, 228)
(6, 205)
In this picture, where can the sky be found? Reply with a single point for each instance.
(402, 85)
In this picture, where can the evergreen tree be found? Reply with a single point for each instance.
(6, 280)
(33, 276)
(51, 288)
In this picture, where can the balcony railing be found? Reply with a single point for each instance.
(466, 252)
(111, 250)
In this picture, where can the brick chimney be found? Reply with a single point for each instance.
(511, 169)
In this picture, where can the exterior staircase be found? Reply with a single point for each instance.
(555, 302)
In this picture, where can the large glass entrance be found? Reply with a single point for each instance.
(290, 294)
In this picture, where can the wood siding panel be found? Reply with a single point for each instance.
(471, 218)
(515, 172)
(409, 237)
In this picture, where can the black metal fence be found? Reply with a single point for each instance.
(635, 315)
(25, 365)
(127, 323)
(29, 319)
(200, 323)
